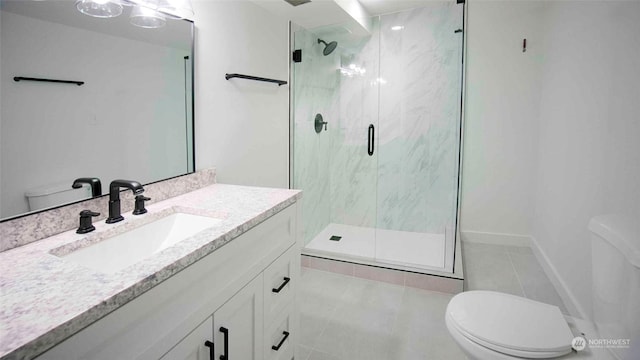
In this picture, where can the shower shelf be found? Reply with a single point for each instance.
(249, 77)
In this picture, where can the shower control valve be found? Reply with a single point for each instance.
(319, 122)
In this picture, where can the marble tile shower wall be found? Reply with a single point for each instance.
(315, 85)
(419, 118)
(411, 94)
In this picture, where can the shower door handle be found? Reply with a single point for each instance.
(371, 139)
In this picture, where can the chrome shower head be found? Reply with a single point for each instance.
(328, 48)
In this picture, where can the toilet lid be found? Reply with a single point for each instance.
(510, 324)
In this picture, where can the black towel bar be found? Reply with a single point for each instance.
(249, 77)
(19, 78)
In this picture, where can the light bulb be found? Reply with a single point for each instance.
(146, 18)
(99, 8)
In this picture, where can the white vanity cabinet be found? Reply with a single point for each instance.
(235, 328)
(256, 323)
(237, 325)
(246, 288)
(194, 346)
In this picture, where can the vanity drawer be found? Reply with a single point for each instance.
(280, 282)
(281, 335)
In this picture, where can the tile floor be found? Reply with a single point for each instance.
(510, 269)
(349, 318)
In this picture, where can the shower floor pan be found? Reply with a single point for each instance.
(406, 249)
(394, 258)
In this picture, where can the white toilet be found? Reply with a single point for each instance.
(492, 325)
(49, 196)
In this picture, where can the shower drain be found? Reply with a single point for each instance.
(335, 238)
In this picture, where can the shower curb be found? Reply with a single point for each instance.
(412, 279)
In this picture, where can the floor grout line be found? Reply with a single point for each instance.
(310, 351)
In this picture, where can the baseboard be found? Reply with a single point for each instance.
(569, 299)
(495, 238)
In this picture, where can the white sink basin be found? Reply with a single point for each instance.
(118, 252)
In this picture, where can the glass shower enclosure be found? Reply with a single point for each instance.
(376, 123)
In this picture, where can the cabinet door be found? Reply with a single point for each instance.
(238, 324)
(193, 347)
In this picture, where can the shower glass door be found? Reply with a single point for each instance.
(380, 180)
(419, 135)
(336, 167)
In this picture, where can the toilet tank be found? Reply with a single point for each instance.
(44, 197)
(615, 245)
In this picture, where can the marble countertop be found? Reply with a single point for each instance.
(44, 299)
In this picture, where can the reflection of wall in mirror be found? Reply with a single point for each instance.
(107, 128)
(1, 197)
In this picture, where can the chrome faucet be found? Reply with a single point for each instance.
(114, 197)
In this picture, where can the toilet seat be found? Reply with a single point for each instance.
(493, 351)
(510, 324)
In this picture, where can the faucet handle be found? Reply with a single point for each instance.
(86, 225)
(139, 205)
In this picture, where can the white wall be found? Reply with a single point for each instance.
(242, 126)
(589, 153)
(0, 120)
(501, 114)
(551, 135)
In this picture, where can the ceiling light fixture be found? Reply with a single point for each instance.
(181, 9)
(150, 13)
(99, 8)
(397, 28)
(146, 18)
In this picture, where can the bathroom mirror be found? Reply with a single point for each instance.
(130, 118)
